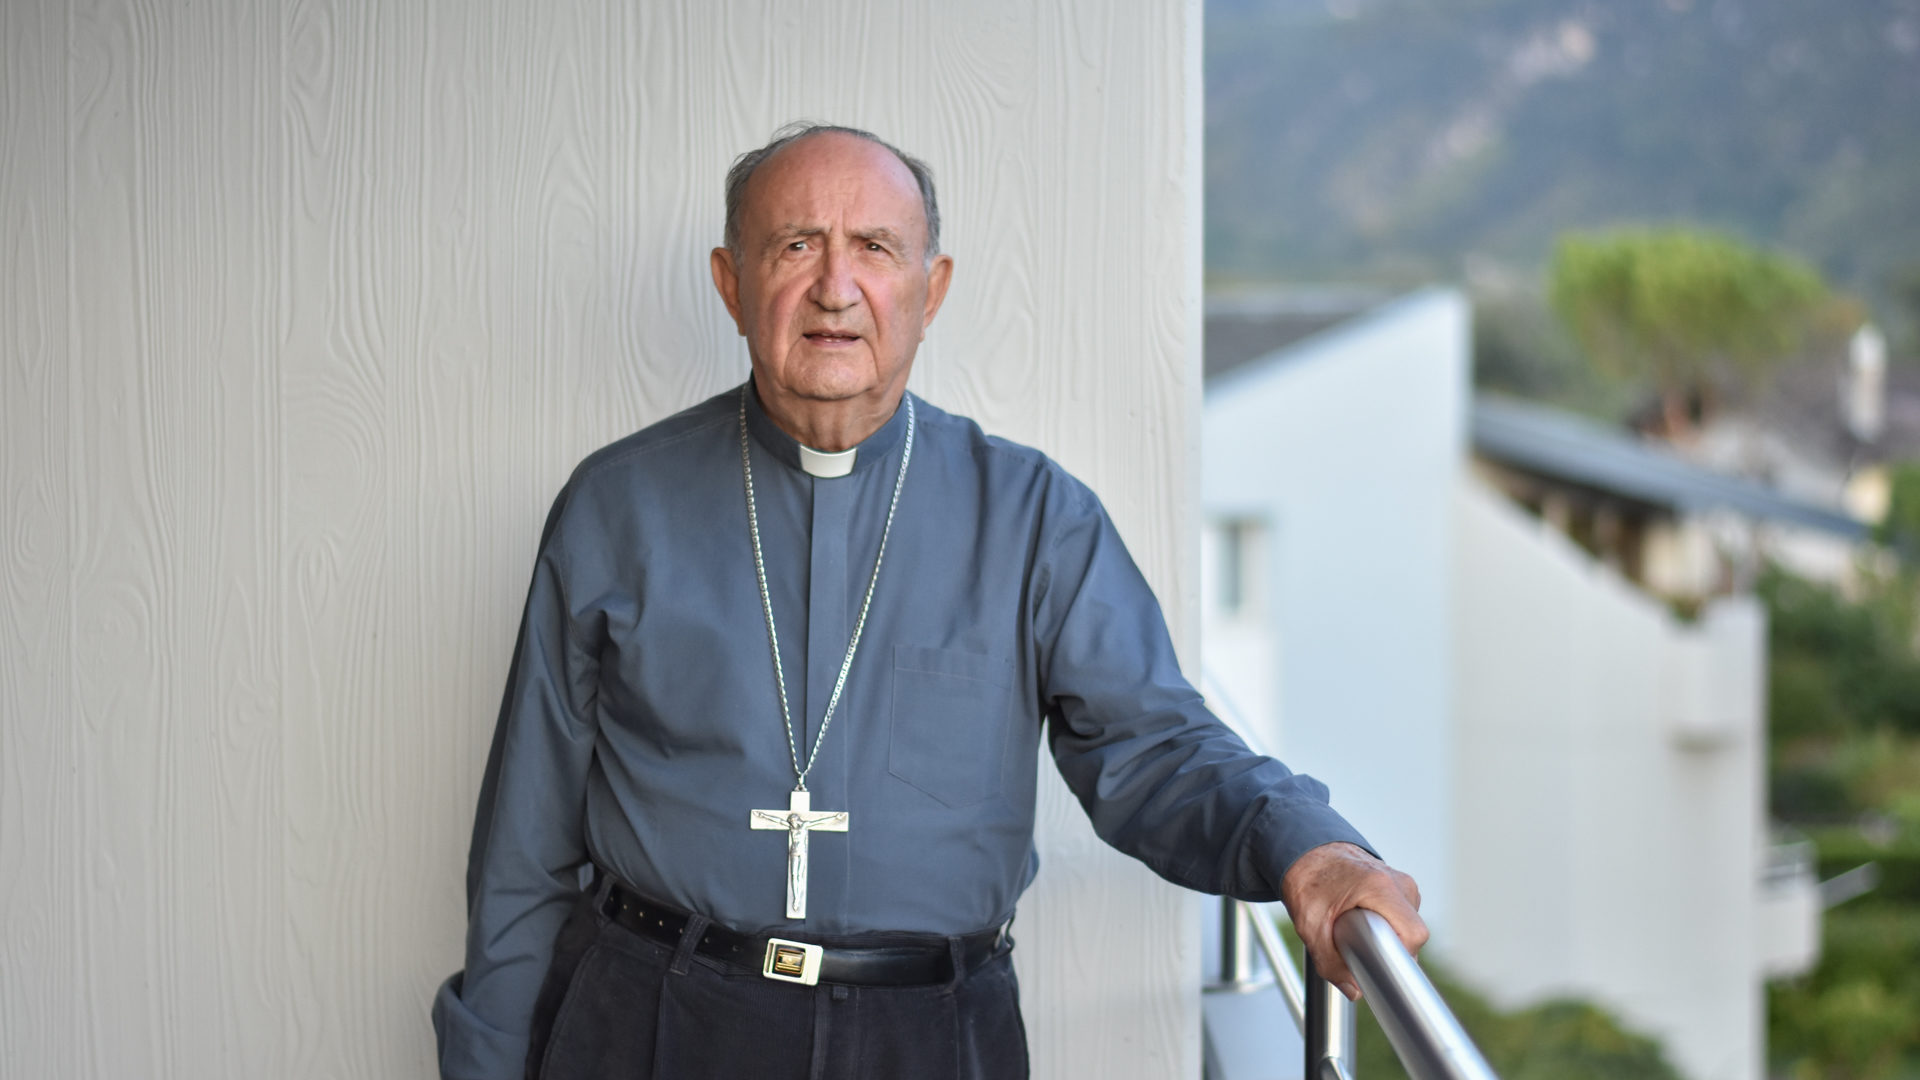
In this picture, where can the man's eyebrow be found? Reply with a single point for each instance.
(785, 234)
(792, 230)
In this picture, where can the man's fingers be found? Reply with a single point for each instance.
(1408, 886)
(1402, 912)
(1410, 927)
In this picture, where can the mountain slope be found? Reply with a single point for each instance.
(1389, 138)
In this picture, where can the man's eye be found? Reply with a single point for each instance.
(797, 245)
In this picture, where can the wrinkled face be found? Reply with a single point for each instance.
(831, 287)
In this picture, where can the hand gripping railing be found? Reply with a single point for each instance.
(1422, 1030)
(1429, 1041)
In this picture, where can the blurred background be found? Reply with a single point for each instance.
(1562, 482)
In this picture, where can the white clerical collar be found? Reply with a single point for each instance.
(822, 464)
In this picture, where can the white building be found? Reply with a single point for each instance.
(1574, 775)
(1327, 476)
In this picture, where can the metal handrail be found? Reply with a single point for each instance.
(1423, 1031)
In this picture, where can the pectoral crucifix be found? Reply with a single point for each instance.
(797, 820)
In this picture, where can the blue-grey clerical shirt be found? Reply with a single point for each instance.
(642, 722)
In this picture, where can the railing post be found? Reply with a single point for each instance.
(1328, 1031)
(1236, 946)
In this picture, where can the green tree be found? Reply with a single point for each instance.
(1904, 285)
(1684, 309)
(1900, 528)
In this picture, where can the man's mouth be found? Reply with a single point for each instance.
(832, 337)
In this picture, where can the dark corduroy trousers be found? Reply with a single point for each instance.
(619, 1006)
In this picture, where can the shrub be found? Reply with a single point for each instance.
(1856, 1030)
(1900, 529)
(1838, 666)
(1854, 1015)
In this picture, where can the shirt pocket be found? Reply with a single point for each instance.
(949, 723)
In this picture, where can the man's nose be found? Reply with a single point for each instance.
(835, 288)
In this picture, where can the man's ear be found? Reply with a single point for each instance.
(726, 281)
(939, 276)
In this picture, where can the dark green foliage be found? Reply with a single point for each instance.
(1863, 944)
(1903, 288)
(1901, 528)
(1854, 1016)
(1844, 696)
(1803, 697)
(1811, 795)
(1837, 667)
(1813, 619)
(1895, 698)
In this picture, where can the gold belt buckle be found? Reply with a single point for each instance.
(792, 961)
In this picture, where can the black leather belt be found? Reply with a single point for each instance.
(895, 963)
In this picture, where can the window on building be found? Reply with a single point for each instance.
(1239, 551)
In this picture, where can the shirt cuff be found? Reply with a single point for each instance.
(1287, 829)
(470, 1048)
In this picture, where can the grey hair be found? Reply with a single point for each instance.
(746, 164)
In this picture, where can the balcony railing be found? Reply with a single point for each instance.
(1422, 1030)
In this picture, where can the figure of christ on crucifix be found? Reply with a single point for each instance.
(797, 820)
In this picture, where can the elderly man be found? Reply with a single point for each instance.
(761, 798)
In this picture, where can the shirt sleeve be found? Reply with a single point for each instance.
(528, 832)
(1160, 776)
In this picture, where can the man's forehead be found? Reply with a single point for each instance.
(803, 227)
(820, 170)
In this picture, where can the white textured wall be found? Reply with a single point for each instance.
(1349, 447)
(306, 309)
(1610, 793)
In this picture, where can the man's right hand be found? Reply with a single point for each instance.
(1333, 879)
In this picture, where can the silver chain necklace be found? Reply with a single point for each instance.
(766, 599)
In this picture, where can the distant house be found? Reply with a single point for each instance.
(1679, 529)
(1399, 598)
(1823, 433)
